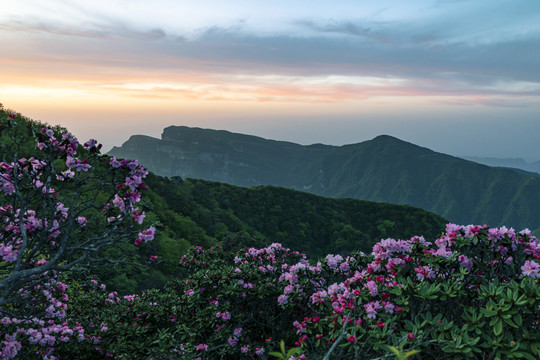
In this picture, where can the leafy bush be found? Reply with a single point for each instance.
(62, 205)
(473, 293)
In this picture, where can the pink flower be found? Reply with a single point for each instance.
(344, 266)
(283, 299)
(232, 341)
(7, 253)
(389, 308)
(138, 216)
(202, 347)
(147, 235)
(410, 336)
(465, 262)
(90, 144)
(79, 165)
(119, 203)
(237, 332)
(153, 258)
(82, 221)
(531, 268)
(372, 287)
(115, 163)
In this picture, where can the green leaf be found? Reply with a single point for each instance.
(410, 353)
(520, 354)
(511, 323)
(498, 328)
(448, 349)
(487, 312)
(276, 354)
(293, 352)
(394, 350)
(517, 319)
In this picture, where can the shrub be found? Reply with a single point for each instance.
(62, 206)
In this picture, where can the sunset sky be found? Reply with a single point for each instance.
(460, 77)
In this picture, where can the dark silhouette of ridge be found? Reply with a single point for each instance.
(385, 169)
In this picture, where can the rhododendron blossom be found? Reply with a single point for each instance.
(48, 197)
(531, 268)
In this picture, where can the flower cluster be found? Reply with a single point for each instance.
(366, 299)
(49, 227)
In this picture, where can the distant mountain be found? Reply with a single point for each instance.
(517, 163)
(383, 169)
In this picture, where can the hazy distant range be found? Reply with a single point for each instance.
(517, 163)
(383, 169)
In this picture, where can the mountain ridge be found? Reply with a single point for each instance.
(385, 169)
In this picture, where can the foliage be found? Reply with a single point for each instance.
(62, 206)
(473, 293)
(309, 223)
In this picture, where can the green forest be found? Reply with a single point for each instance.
(198, 212)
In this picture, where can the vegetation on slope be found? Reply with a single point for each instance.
(312, 224)
(197, 212)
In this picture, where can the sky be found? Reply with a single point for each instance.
(460, 77)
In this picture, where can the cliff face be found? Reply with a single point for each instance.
(384, 169)
(220, 156)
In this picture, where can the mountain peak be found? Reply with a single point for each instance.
(385, 137)
(389, 139)
(391, 144)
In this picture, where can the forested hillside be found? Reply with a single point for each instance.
(310, 223)
(196, 212)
